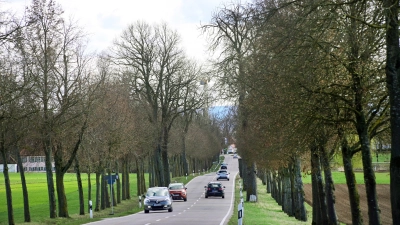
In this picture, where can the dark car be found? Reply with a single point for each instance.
(157, 198)
(178, 191)
(222, 175)
(214, 189)
(224, 167)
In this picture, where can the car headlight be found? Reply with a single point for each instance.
(146, 201)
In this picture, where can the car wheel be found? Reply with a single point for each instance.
(206, 196)
(146, 211)
(170, 209)
(185, 199)
(228, 179)
(223, 196)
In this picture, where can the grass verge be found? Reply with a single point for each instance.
(265, 211)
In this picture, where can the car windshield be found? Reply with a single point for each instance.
(176, 187)
(222, 171)
(156, 192)
(214, 185)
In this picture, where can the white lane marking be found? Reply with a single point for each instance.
(147, 223)
(232, 199)
(158, 220)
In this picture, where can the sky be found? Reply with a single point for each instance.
(104, 20)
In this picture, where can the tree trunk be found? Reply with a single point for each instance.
(329, 189)
(27, 214)
(354, 197)
(251, 182)
(269, 181)
(62, 200)
(183, 157)
(7, 183)
(152, 181)
(118, 183)
(391, 9)
(158, 167)
(164, 156)
(244, 174)
(286, 193)
(300, 212)
(80, 188)
(123, 179)
(320, 216)
(274, 187)
(138, 178)
(103, 191)
(279, 188)
(99, 195)
(370, 183)
(143, 188)
(240, 162)
(50, 182)
(89, 189)
(128, 184)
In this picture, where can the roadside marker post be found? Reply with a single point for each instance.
(240, 214)
(90, 209)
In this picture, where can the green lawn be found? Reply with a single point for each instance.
(38, 197)
(339, 178)
(265, 211)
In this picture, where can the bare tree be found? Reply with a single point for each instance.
(53, 50)
(159, 74)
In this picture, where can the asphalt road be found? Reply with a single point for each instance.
(196, 210)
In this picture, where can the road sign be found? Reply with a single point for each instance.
(111, 178)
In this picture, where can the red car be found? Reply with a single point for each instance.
(177, 191)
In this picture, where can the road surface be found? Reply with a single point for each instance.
(196, 210)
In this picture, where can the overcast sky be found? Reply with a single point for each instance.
(104, 20)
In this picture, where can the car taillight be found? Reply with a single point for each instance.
(209, 189)
(220, 189)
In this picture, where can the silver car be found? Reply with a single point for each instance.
(157, 198)
(222, 175)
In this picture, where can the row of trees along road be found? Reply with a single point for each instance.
(138, 107)
(312, 79)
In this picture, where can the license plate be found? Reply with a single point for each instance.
(157, 205)
(214, 191)
(176, 194)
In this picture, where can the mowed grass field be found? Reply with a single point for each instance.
(38, 198)
(339, 178)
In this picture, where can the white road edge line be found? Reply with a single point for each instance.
(232, 198)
